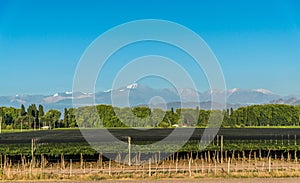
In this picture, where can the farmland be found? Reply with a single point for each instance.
(234, 152)
(143, 134)
(72, 142)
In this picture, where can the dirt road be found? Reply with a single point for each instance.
(250, 180)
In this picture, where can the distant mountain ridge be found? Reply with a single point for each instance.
(289, 101)
(142, 94)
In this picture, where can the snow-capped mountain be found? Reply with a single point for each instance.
(242, 96)
(138, 95)
(141, 95)
(255, 96)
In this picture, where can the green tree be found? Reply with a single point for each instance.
(66, 118)
(1, 119)
(203, 118)
(72, 119)
(41, 114)
(41, 111)
(22, 110)
(32, 115)
(52, 118)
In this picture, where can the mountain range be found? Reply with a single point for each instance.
(164, 98)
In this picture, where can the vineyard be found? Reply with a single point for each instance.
(72, 142)
(231, 151)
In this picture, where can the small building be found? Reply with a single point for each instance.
(45, 127)
(185, 125)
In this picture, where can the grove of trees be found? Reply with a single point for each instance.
(34, 117)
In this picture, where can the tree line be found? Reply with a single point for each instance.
(34, 117)
(31, 118)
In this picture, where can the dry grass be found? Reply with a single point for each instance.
(239, 169)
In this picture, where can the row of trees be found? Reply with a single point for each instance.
(264, 115)
(32, 118)
(256, 115)
(107, 116)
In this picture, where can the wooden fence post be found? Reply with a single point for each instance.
(109, 168)
(33, 146)
(222, 143)
(228, 166)
(176, 166)
(269, 164)
(150, 167)
(70, 167)
(129, 151)
(81, 161)
(190, 171)
(202, 166)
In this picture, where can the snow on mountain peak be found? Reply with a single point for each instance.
(132, 86)
(264, 91)
(233, 90)
(56, 95)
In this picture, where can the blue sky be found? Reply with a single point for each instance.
(256, 42)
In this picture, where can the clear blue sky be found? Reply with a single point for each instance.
(256, 42)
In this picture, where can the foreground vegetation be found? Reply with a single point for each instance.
(164, 170)
(206, 164)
